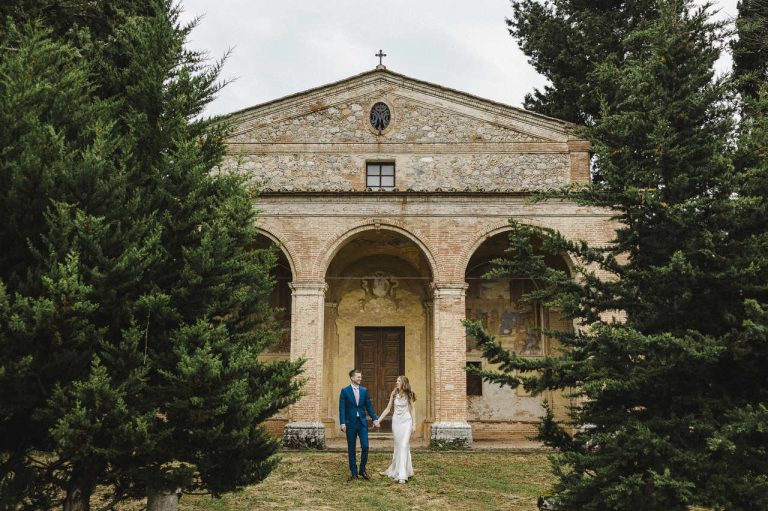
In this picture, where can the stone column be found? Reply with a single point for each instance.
(449, 380)
(331, 358)
(305, 427)
(429, 313)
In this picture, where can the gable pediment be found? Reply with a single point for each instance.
(421, 113)
(438, 138)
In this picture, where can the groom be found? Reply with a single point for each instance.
(353, 403)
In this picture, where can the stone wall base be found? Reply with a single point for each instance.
(451, 435)
(304, 435)
(503, 430)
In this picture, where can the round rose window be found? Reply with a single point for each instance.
(380, 116)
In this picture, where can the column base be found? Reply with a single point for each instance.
(304, 435)
(451, 435)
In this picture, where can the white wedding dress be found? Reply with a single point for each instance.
(402, 423)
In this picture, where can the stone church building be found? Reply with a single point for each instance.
(387, 198)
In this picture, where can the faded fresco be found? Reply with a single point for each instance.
(498, 306)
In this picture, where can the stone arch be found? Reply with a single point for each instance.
(517, 325)
(280, 296)
(283, 248)
(493, 230)
(332, 247)
(392, 329)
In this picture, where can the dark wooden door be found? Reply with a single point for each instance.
(380, 355)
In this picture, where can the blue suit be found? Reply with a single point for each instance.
(352, 414)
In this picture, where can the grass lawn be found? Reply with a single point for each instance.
(443, 480)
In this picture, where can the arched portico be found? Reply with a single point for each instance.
(281, 301)
(275, 241)
(494, 231)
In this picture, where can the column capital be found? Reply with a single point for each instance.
(446, 289)
(308, 288)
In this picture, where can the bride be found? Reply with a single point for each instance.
(403, 424)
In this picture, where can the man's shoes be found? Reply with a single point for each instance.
(364, 475)
(353, 477)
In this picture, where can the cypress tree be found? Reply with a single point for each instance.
(669, 401)
(133, 306)
(742, 439)
(56, 142)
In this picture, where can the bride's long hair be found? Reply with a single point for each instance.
(405, 388)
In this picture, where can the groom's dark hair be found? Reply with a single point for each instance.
(353, 371)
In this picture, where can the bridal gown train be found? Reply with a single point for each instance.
(402, 423)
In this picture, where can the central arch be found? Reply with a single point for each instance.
(331, 249)
(378, 316)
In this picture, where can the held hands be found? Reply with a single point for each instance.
(377, 423)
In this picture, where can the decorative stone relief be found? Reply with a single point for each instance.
(380, 285)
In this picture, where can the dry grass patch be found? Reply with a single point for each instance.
(443, 480)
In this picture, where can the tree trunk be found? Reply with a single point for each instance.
(78, 498)
(163, 500)
(79, 489)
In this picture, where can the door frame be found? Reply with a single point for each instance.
(401, 362)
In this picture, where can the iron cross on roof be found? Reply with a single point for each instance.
(381, 55)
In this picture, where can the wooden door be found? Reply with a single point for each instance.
(380, 355)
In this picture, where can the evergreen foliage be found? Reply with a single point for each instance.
(133, 305)
(666, 367)
(750, 47)
(565, 41)
(750, 69)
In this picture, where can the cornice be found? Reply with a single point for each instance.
(401, 147)
(448, 192)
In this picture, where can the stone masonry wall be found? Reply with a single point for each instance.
(346, 172)
(411, 122)
(437, 141)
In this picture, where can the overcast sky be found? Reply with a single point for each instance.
(280, 47)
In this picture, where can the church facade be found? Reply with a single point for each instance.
(387, 197)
